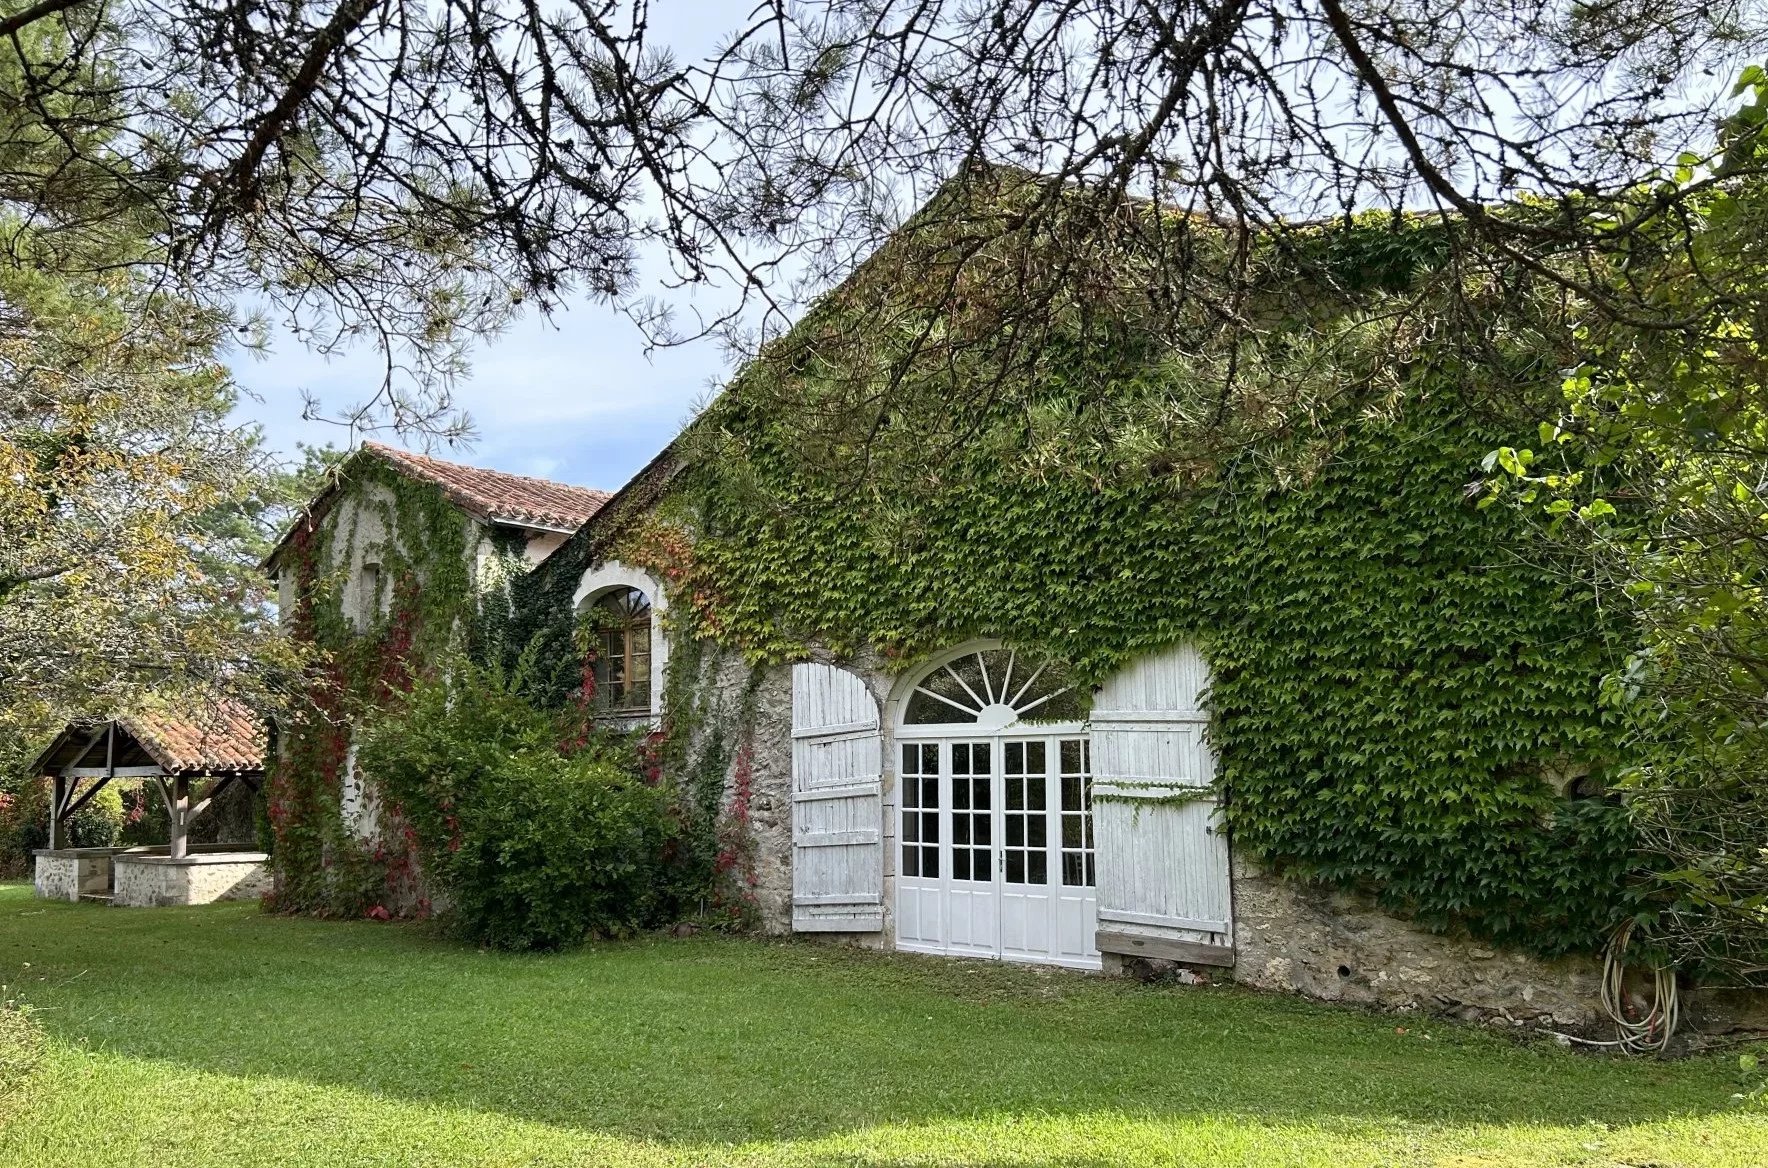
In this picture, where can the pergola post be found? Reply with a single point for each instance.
(57, 794)
(179, 845)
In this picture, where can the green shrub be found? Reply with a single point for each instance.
(531, 844)
(556, 849)
(24, 822)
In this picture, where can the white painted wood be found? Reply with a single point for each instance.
(837, 803)
(1162, 858)
(1007, 813)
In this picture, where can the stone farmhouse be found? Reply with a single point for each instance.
(1080, 765)
(401, 555)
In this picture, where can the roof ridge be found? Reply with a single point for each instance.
(401, 452)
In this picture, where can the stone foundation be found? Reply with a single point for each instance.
(1340, 948)
(154, 881)
(70, 873)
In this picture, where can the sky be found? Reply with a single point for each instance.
(575, 399)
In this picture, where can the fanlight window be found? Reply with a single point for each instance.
(620, 628)
(993, 688)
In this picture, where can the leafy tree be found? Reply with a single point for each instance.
(1657, 473)
(128, 501)
(416, 172)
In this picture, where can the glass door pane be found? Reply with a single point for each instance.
(1024, 814)
(972, 812)
(973, 923)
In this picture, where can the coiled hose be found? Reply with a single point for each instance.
(1646, 1035)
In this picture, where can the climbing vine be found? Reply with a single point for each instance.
(1392, 690)
(440, 604)
(423, 604)
(1400, 704)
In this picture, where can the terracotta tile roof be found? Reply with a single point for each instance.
(222, 736)
(499, 497)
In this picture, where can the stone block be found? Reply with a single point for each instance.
(153, 881)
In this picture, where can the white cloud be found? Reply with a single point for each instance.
(576, 398)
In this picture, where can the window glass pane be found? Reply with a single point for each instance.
(957, 691)
(930, 862)
(1040, 868)
(621, 639)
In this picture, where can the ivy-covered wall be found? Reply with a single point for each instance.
(1402, 706)
(441, 586)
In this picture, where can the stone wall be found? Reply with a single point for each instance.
(1340, 948)
(70, 873)
(155, 881)
(58, 876)
(723, 680)
(718, 693)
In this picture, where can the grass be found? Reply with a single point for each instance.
(219, 1036)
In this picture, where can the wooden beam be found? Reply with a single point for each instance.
(1188, 952)
(87, 748)
(179, 845)
(137, 772)
(215, 788)
(85, 797)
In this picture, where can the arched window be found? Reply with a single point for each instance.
(620, 633)
(993, 688)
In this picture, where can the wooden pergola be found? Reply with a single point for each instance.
(213, 750)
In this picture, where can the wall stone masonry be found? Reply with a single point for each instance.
(723, 679)
(154, 881)
(1340, 948)
(70, 873)
(58, 876)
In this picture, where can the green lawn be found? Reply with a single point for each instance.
(219, 1036)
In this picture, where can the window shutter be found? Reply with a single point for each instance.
(837, 803)
(1162, 856)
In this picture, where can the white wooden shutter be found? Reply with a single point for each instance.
(837, 803)
(1162, 856)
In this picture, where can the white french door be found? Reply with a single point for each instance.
(995, 848)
